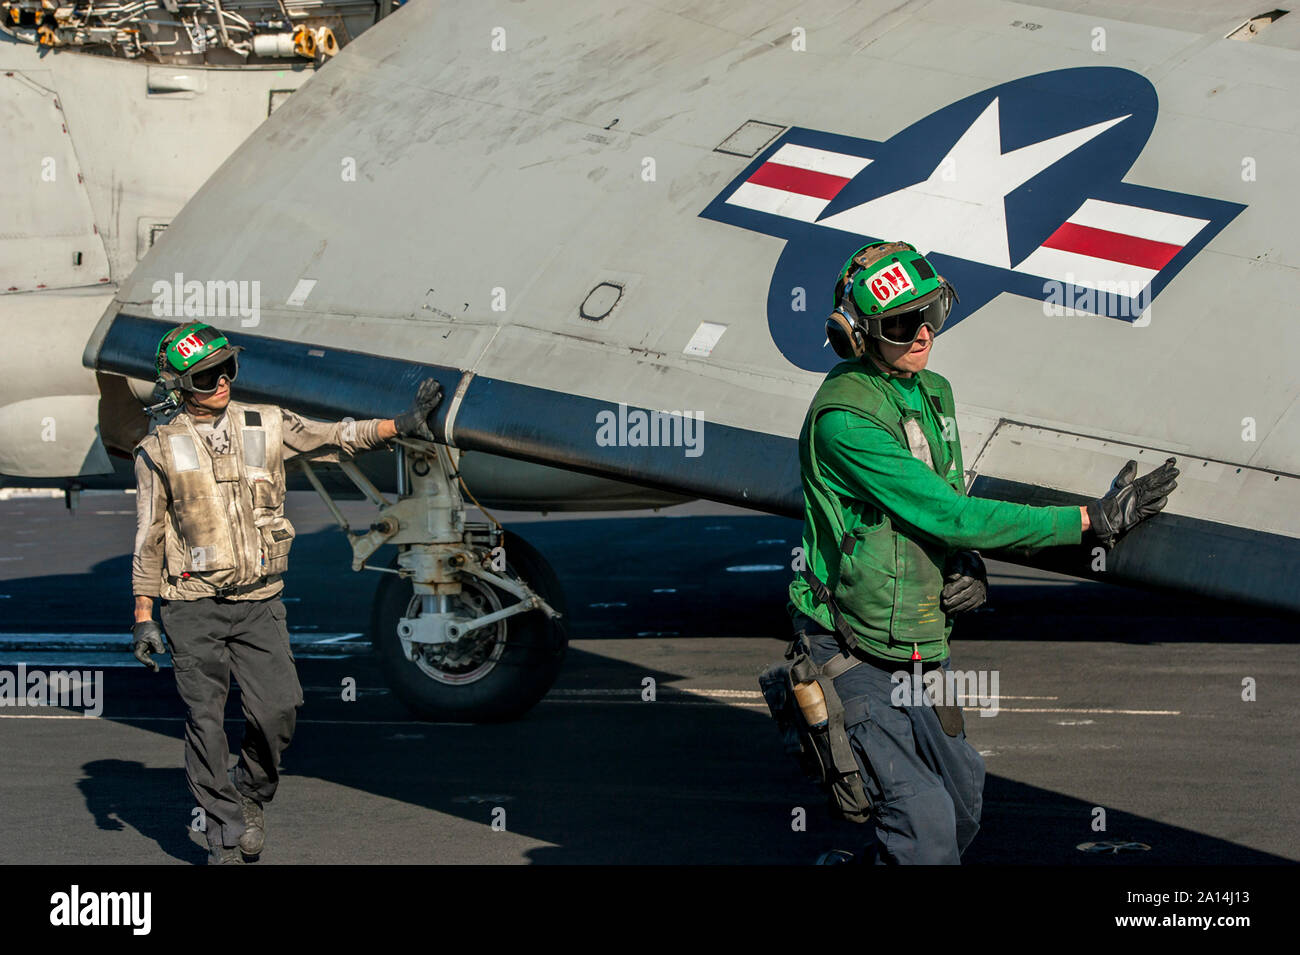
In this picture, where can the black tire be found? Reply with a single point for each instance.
(529, 661)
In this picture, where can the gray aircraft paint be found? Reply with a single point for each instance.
(522, 170)
(125, 158)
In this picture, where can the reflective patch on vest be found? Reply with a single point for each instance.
(184, 454)
(255, 448)
(916, 442)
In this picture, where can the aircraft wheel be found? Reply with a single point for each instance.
(493, 674)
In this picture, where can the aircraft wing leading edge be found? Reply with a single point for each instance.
(741, 467)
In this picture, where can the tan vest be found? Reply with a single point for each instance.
(226, 532)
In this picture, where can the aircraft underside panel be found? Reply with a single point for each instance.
(1236, 495)
(51, 243)
(1228, 531)
(733, 465)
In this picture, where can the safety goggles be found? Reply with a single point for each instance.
(905, 327)
(208, 380)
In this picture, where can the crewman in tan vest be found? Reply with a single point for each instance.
(211, 545)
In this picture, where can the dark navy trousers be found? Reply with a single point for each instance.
(926, 787)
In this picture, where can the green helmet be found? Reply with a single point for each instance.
(886, 291)
(189, 350)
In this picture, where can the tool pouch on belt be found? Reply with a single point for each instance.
(822, 752)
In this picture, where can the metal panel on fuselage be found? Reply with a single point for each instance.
(99, 166)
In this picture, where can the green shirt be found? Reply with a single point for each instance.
(869, 471)
(865, 465)
(911, 395)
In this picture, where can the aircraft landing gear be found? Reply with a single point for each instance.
(467, 622)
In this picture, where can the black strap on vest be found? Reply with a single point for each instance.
(822, 594)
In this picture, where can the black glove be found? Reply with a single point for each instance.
(415, 423)
(966, 583)
(148, 639)
(1129, 501)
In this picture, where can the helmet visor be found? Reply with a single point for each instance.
(904, 327)
(208, 380)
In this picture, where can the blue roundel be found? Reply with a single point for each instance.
(1017, 188)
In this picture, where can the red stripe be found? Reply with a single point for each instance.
(793, 179)
(1114, 246)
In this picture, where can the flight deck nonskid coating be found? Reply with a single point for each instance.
(1132, 737)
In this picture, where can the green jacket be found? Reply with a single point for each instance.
(880, 521)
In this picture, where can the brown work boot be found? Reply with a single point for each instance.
(254, 837)
(225, 855)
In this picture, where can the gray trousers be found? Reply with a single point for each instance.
(211, 638)
(926, 787)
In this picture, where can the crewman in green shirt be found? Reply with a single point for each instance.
(889, 546)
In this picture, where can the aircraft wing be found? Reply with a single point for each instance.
(567, 213)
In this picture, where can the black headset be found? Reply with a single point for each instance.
(844, 329)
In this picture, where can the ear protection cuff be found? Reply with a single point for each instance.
(844, 335)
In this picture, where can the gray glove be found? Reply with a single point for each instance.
(966, 583)
(148, 639)
(415, 423)
(1129, 501)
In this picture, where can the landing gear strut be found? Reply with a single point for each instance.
(461, 632)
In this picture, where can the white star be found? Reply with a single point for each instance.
(960, 210)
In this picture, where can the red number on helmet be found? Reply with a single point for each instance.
(891, 283)
(188, 345)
